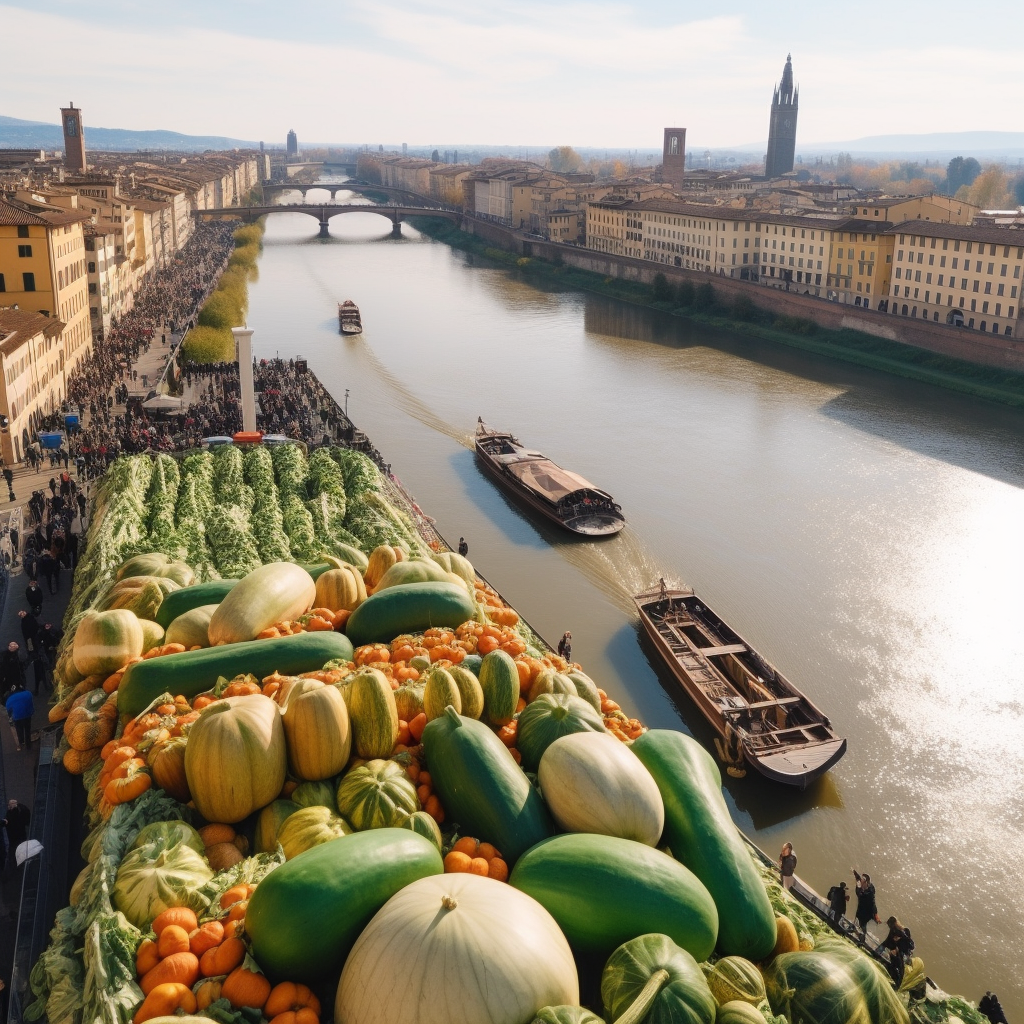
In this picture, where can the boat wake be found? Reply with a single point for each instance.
(619, 567)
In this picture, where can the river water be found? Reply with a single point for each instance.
(864, 532)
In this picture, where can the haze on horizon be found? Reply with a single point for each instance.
(581, 72)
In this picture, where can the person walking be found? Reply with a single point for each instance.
(9, 477)
(20, 708)
(565, 646)
(29, 631)
(787, 865)
(992, 1008)
(12, 671)
(838, 897)
(867, 907)
(898, 945)
(463, 547)
(34, 596)
(16, 824)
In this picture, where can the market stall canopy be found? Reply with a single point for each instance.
(163, 403)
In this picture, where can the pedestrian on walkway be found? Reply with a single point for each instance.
(49, 568)
(16, 826)
(838, 897)
(34, 596)
(20, 708)
(29, 631)
(787, 865)
(15, 541)
(9, 477)
(565, 646)
(867, 907)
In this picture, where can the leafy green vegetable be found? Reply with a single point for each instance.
(153, 879)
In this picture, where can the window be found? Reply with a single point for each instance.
(3, 284)
(23, 231)
(24, 250)
(29, 281)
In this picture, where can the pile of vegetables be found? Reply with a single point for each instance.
(328, 766)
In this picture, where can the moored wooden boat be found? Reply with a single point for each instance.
(348, 318)
(759, 715)
(560, 495)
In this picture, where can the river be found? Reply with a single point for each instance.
(864, 532)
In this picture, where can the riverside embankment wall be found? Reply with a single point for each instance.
(1006, 353)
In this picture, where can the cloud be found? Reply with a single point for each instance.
(585, 73)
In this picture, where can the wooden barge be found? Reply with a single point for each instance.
(349, 321)
(761, 717)
(561, 496)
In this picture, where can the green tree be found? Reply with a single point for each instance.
(704, 297)
(435, 156)
(961, 171)
(564, 159)
(686, 294)
(662, 289)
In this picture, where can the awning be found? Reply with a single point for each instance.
(550, 481)
(163, 403)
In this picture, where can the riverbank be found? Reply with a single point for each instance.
(705, 305)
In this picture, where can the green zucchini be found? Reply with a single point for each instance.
(481, 787)
(410, 608)
(700, 832)
(305, 915)
(316, 571)
(604, 891)
(192, 597)
(193, 672)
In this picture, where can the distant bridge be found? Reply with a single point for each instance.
(334, 187)
(324, 212)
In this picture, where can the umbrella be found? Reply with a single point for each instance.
(163, 403)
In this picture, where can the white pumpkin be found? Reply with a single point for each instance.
(274, 592)
(593, 782)
(437, 953)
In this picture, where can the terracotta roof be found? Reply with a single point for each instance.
(966, 232)
(11, 214)
(19, 325)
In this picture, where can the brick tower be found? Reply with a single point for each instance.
(782, 127)
(74, 138)
(673, 157)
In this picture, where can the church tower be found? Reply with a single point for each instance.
(74, 138)
(673, 158)
(782, 129)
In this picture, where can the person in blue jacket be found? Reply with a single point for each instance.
(20, 707)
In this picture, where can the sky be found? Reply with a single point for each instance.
(514, 72)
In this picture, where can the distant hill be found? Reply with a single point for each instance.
(935, 145)
(18, 134)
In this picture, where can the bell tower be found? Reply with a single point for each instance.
(673, 157)
(74, 138)
(782, 127)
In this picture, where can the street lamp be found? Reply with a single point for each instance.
(346, 403)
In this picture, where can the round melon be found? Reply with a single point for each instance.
(192, 628)
(309, 827)
(425, 825)
(414, 571)
(429, 956)
(593, 782)
(550, 681)
(106, 641)
(550, 716)
(269, 823)
(377, 794)
(734, 978)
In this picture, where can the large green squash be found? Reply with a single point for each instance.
(305, 915)
(824, 988)
(481, 787)
(235, 759)
(181, 601)
(269, 823)
(411, 608)
(373, 711)
(275, 592)
(701, 834)
(194, 672)
(309, 827)
(549, 717)
(603, 891)
(650, 978)
(377, 794)
(104, 641)
(499, 680)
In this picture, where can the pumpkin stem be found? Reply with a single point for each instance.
(449, 902)
(642, 1004)
(453, 716)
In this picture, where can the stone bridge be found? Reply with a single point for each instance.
(334, 187)
(325, 211)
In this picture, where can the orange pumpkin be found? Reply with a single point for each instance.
(243, 987)
(223, 958)
(207, 936)
(167, 762)
(182, 968)
(121, 791)
(164, 1001)
(208, 992)
(184, 917)
(290, 996)
(173, 939)
(216, 833)
(146, 957)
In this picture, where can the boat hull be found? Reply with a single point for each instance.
(595, 525)
(795, 764)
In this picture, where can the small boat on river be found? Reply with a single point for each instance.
(563, 497)
(761, 717)
(348, 318)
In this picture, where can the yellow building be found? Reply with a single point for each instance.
(962, 275)
(32, 380)
(861, 265)
(942, 209)
(43, 269)
(606, 227)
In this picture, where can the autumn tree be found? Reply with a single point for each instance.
(564, 159)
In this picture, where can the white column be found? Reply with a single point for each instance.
(243, 353)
